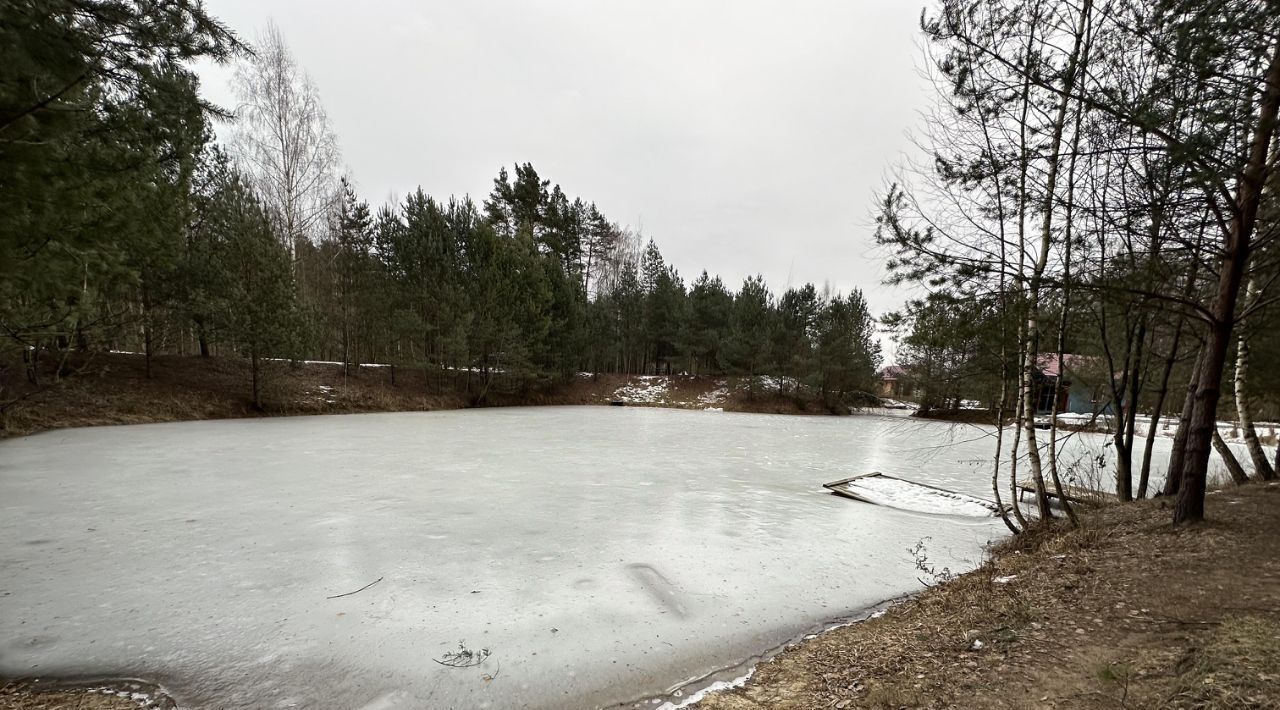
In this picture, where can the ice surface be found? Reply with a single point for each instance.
(905, 495)
(601, 554)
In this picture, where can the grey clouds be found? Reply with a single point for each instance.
(743, 137)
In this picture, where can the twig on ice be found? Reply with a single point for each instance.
(463, 657)
(347, 594)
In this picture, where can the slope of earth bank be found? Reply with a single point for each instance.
(1125, 612)
(114, 388)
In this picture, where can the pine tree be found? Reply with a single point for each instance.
(751, 330)
(255, 306)
(90, 94)
(710, 307)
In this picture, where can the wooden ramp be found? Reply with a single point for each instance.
(906, 494)
(1074, 494)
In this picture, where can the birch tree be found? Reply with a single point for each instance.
(283, 141)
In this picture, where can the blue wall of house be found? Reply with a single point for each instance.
(1079, 401)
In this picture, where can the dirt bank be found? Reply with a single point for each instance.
(100, 695)
(1126, 612)
(113, 388)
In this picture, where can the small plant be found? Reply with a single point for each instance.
(920, 555)
(1116, 674)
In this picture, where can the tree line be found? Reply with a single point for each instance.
(132, 227)
(1102, 182)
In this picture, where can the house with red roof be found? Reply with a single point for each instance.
(1078, 384)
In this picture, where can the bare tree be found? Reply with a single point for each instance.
(283, 140)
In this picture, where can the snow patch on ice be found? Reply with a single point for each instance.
(716, 687)
(905, 495)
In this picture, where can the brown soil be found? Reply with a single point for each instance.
(114, 389)
(1125, 612)
(23, 695)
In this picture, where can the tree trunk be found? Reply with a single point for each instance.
(1204, 414)
(346, 346)
(1124, 456)
(146, 329)
(1261, 466)
(1053, 427)
(1173, 475)
(203, 337)
(1158, 411)
(1235, 257)
(1229, 458)
(995, 467)
(1046, 234)
(1129, 410)
(1152, 426)
(1013, 449)
(253, 365)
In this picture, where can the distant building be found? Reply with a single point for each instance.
(1079, 388)
(896, 383)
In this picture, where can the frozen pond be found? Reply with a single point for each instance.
(601, 555)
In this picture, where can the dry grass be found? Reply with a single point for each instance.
(1238, 667)
(114, 389)
(1123, 613)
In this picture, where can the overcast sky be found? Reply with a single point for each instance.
(743, 137)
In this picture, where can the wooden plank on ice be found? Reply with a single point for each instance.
(848, 488)
(1074, 494)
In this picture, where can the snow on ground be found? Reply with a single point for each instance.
(895, 404)
(322, 393)
(769, 383)
(1168, 426)
(643, 389)
(143, 700)
(327, 362)
(717, 396)
(906, 495)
